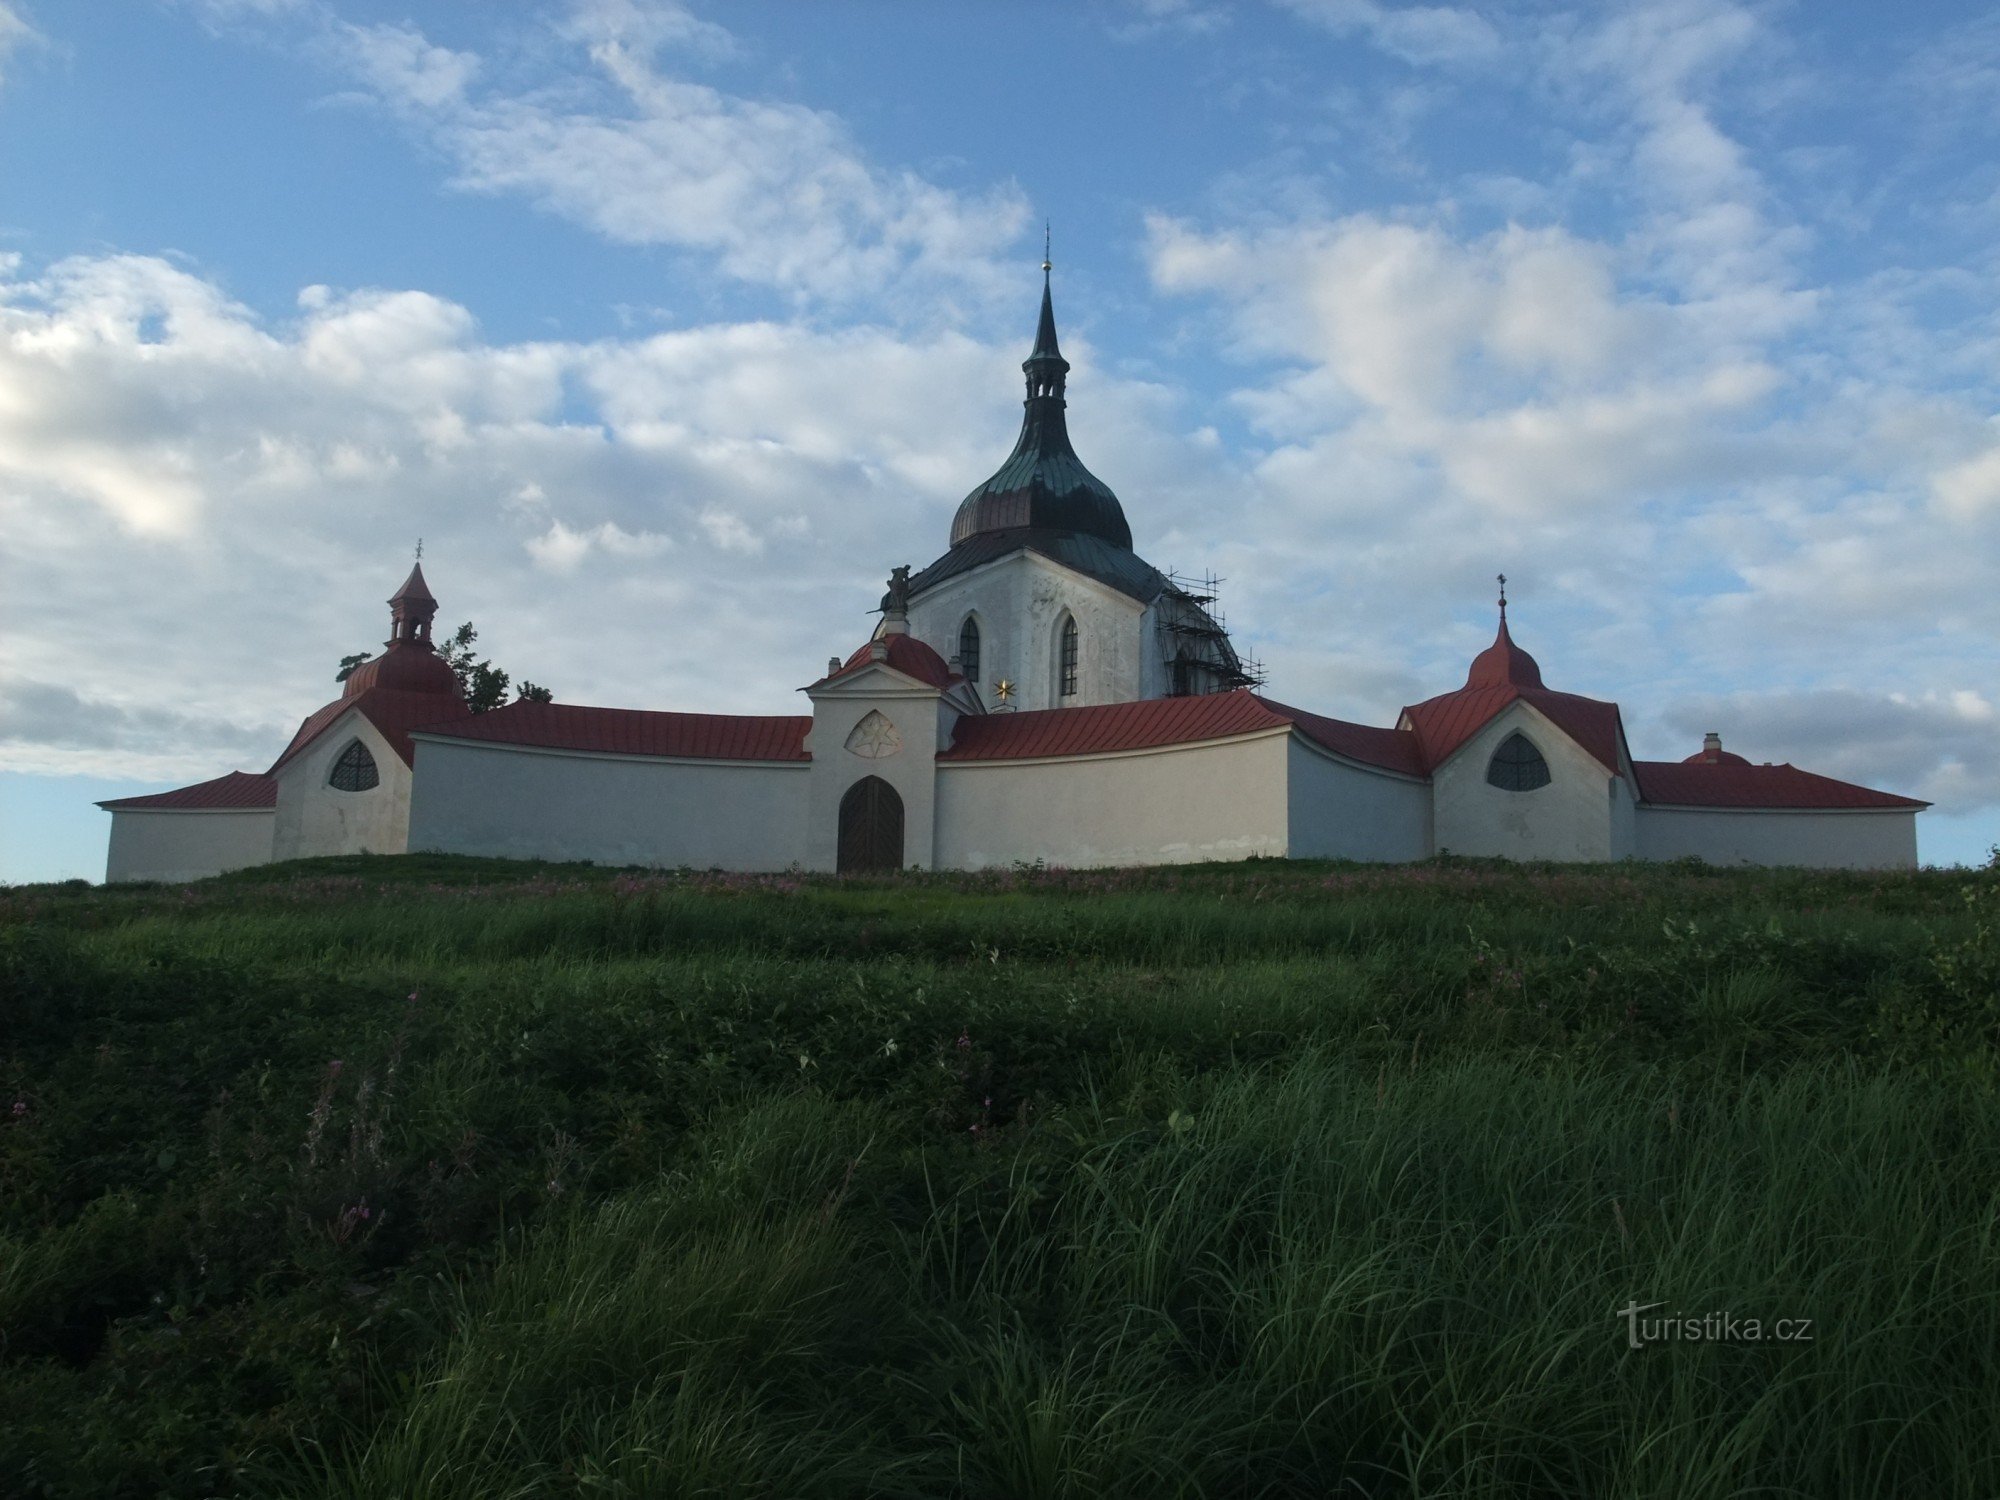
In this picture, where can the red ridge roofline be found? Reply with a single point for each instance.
(634, 731)
(239, 791)
(1670, 783)
(1155, 723)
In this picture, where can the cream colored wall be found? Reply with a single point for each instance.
(1180, 805)
(1341, 811)
(1020, 602)
(187, 845)
(315, 818)
(1882, 840)
(1570, 818)
(514, 802)
(920, 721)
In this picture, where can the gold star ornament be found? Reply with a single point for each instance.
(1004, 689)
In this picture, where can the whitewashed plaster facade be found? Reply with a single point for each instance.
(1574, 817)
(1180, 805)
(314, 817)
(1338, 809)
(187, 844)
(526, 802)
(1849, 839)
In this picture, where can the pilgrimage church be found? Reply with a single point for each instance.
(1038, 693)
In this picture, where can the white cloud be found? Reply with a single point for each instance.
(1421, 34)
(778, 192)
(204, 510)
(15, 33)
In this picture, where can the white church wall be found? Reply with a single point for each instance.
(1570, 818)
(1829, 840)
(187, 843)
(839, 759)
(1179, 805)
(1624, 816)
(316, 818)
(1338, 810)
(1020, 602)
(516, 802)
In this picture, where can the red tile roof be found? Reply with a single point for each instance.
(907, 655)
(1728, 783)
(239, 791)
(395, 713)
(1445, 722)
(1391, 749)
(634, 731)
(1105, 727)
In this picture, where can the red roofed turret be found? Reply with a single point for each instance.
(1712, 753)
(1503, 664)
(411, 663)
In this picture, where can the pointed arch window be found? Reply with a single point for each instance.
(1517, 766)
(968, 649)
(355, 770)
(1066, 660)
(1183, 673)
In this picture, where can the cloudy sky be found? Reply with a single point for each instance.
(671, 328)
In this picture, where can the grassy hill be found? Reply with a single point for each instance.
(438, 1177)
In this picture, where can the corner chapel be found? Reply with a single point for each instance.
(1038, 692)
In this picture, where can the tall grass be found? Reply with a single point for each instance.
(438, 1178)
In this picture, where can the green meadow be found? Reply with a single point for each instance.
(432, 1177)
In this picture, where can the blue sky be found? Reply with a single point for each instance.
(671, 328)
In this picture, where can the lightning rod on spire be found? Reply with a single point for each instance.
(1503, 595)
(1047, 264)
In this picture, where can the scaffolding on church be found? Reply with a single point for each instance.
(1199, 656)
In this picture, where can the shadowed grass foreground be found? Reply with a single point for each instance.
(1266, 1180)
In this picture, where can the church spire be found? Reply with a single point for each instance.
(1043, 485)
(1045, 366)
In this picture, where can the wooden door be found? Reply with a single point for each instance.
(871, 827)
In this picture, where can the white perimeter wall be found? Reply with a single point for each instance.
(316, 818)
(187, 845)
(1341, 811)
(1179, 805)
(518, 803)
(1570, 818)
(1818, 840)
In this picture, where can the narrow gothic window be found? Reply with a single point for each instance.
(1068, 673)
(1183, 674)
(968, 649)
(1517, 766)
(355, 770)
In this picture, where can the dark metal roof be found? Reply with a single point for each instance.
(1043, 483)
(1115, 566)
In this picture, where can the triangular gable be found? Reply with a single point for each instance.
(393, 713)
(1445, 723)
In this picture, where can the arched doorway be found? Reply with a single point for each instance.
(871, 828)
